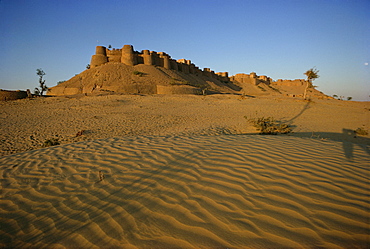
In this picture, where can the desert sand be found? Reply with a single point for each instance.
(183, 171)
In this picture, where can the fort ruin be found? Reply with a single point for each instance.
(128, 71)
(129, 57)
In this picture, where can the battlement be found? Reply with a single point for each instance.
(129, 57)
(251, 78)
(297, 82)
(255, 79)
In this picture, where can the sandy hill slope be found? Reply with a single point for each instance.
(27, 123)
(143, 79)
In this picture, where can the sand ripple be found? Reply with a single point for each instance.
(185, 192)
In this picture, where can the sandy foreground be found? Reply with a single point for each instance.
(183, 172)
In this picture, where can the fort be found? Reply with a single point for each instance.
(129, 57)
(126, 71)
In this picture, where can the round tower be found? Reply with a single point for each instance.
(99, 58)
(166, 62)
(101, 50)
(128, 55)
(147, 57)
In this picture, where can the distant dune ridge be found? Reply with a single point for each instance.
(26, 124)
(149, 72)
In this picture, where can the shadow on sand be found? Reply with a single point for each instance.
(306, 106)
(348, 138)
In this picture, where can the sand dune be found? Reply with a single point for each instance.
(26, 124)
(228, 191)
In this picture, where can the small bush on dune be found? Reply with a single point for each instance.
(140, 74)
(361, 131)
(269, 126)
(51, 142)
(80, 133)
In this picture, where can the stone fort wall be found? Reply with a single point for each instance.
(251, 78)
(12, 95)
(297, 82)
(254, 79)
(129, 57)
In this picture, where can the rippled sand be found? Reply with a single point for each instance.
(228, 191)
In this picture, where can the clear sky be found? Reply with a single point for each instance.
(278, 38)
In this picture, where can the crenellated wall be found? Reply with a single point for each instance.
(254, 79)
(251, 78)
(128, 56)
(114, 55)
(297, 82)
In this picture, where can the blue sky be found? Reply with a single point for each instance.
(278, 38)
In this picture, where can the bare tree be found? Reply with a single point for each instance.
(311, 74)
(43, 87)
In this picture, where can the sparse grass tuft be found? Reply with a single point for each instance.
(51, 142)
(80, 133)
(268, 126)
(138, 73)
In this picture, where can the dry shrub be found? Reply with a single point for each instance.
(51, 142)
(361, 131)
(140, 74)
(269, 126)
(80, 133)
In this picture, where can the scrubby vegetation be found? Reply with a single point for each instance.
(51, 142)
(80, 133)
(269, 126)
(138, 73)
(361, 131)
